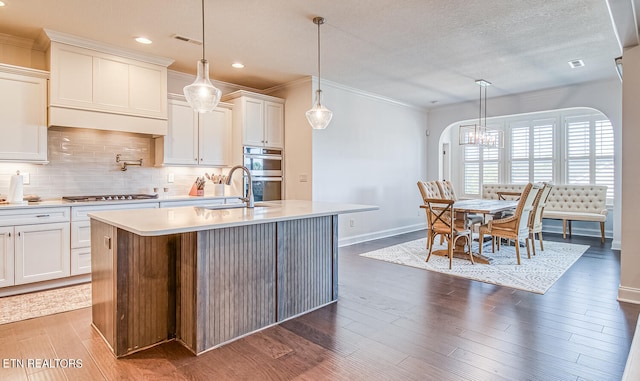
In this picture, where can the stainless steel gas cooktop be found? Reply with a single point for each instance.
(110, 197)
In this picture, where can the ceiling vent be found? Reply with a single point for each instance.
(576, 63)
(186, 39)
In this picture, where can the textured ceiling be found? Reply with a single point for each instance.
(415, 51)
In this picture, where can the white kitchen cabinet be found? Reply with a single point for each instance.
(81, 231)
(23, 114)
(193, 138)
(42, 252)
(35, 245)
(258, 118)
(98, 86)
(6, 257)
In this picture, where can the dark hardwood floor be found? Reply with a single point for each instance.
(391, 323)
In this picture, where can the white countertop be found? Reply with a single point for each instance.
(154, 222)
(61, 202)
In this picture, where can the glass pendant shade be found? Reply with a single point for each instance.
(201, 94)
(319, 116)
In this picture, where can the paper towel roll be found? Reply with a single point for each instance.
(16, 192)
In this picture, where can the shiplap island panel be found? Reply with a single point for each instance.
(208, 276)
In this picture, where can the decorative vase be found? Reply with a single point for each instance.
(218, 190)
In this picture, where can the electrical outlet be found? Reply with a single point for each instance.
(170, 178)
(26, 179)
(352, 222)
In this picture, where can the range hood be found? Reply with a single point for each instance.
(99, 86)
(99, 120)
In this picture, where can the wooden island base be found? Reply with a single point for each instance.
(209, 287)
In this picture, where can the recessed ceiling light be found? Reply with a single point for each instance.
(143, 40)
(576, 63)
(237, 65)
(2, 4)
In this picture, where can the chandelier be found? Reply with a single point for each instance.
(479, 134)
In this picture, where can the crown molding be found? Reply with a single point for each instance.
(5, 68)
(190, 77)
(85, 43)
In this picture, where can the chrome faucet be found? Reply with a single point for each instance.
(249, 198)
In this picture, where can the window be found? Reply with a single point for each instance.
(566, 147)
(489, 167)
(590, 151)
(532, 146)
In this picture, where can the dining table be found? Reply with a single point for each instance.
(485, 207)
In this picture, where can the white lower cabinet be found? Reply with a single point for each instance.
(81, 232)
(34, 245)
(42, 252)
(6, 257)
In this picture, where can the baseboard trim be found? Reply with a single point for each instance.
(616, 245)
(352, 240)
(578, 231)
(39, 286)
(629, 295)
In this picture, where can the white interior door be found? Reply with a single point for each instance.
(446, 170)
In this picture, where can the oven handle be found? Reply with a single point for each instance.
(268, 157)
(265, 178)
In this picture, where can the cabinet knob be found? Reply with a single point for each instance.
(195, 159)
(9, 235)
(200, 159)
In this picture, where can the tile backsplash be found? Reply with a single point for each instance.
(83, 162)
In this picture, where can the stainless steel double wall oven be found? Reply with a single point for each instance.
(266, 167)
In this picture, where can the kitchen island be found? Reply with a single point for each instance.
(207, 276)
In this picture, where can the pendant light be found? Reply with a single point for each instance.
(201, 94)
(319, 116)
(479, 133)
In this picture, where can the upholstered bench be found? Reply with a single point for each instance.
(565, 202)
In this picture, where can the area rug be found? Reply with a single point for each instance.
(41, 303)
(537, 274)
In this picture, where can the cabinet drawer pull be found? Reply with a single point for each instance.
(43, 215)
(19, 234)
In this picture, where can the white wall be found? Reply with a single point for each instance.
(629, 289)
(373, 152)
(605, 96)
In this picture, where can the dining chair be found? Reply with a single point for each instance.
(514, 227)
(443, 222)
(535, 218)
(428, 189)
(504, 195)
(447, 191)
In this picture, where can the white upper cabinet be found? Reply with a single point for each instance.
(23, 114)
(99, 86)
(214, 136)
(258, 118)
(195, 139)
